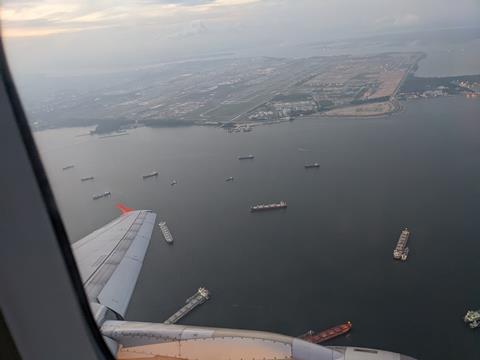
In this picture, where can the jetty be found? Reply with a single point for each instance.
(191, 303)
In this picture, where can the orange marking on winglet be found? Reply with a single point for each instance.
(123, 209)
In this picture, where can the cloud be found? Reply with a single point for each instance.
(402, 20)
(99, 33)
(179, 2)
(46, 17)
(191, 30)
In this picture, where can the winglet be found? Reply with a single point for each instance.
(123, 209)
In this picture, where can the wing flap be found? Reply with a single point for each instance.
(110, 258)
(118, 290)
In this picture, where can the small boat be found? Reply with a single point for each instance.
(174, 182)
(87, 178)
(99, 196)
(230, 178)
(311, 166)
(247, 157)
(472, 318)
(152, 174)
(68, 167)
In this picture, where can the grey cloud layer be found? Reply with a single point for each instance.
(125, 32)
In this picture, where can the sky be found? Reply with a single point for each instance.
(51, 35)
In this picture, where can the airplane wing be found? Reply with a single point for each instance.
(110, 258)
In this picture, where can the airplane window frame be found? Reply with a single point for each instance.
(50, 206)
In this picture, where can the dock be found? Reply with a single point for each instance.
(191, 303)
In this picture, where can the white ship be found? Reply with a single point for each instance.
(401, 250)
(166, 232)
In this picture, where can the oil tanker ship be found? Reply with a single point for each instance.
(328, 334)
(265, 207)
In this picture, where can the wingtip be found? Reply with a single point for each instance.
(123, 209)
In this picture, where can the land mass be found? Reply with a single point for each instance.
(242, 92)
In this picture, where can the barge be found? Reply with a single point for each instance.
(166, 232)
(401, 250)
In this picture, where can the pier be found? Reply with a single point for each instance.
(191, 303)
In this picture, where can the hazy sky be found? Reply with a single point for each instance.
(70, 35)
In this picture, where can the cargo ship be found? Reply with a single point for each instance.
(99, 196)
(166, 232)
(472, 318)
(401, 250)
(68, 167)
(152, 174)
(311, 166)
(328, 334)
(87, 178)
(247, 157)
(264, 207)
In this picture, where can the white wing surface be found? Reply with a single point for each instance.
(110, 258)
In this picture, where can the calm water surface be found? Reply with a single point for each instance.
(328, 257)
